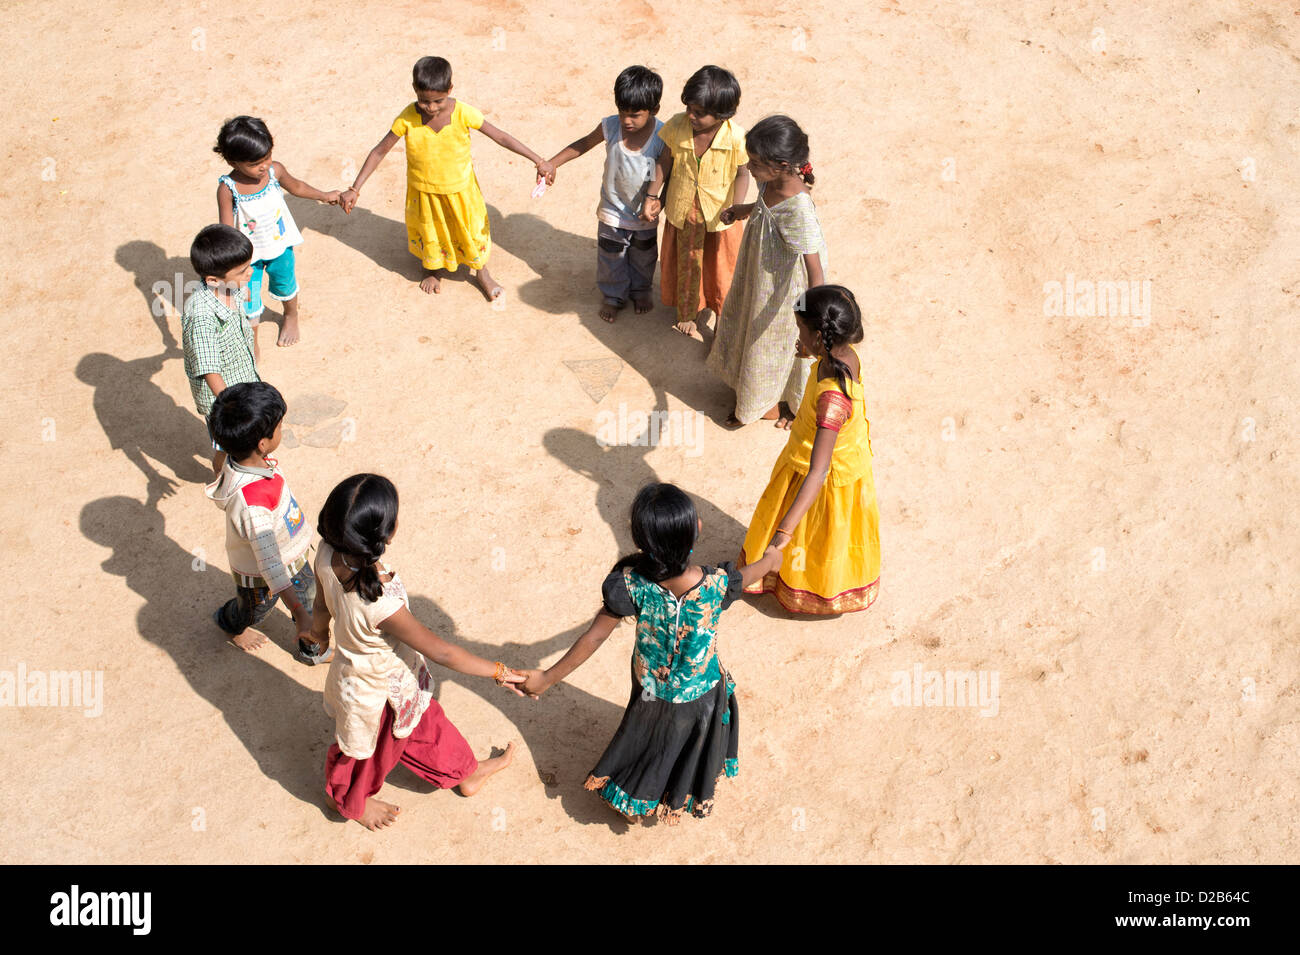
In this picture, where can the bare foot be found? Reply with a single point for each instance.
(607, 311)
(689, 330)
(249, 640)
(431, 284)
(642, 305)
(378, 814)
(488, 284)
(734, 422)
(475, 780)
(289, 330)
(773, 413)
(787, 417)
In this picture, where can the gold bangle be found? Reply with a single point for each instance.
(501, 673)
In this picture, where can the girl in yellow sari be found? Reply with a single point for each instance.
(820, 506)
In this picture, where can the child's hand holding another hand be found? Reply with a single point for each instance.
(348, 199)
(511, 678)
(535, 683)
(736, 213)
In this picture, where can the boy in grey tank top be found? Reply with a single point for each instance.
(627, 246)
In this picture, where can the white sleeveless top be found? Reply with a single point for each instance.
(627, 177)
(265, 218)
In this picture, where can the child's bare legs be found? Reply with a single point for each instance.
(288, 331)
(431, 284)
(475, 780)
(377, 814)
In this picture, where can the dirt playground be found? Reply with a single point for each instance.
(1073, 229)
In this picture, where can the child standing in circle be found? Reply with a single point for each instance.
(251, 198)
(820, 503)
(378, 684)
(781, 256)
(626, 244)
(680, 732)
(705, 155)
(446, 217)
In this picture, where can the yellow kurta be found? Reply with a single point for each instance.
(446, 217)
(711, 176)
(832, 563)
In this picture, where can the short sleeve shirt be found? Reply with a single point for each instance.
(712, 176)
(438, 161)
(217, 340)
(676, 655)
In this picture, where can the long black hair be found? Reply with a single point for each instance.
(664, 525)
(778, 139)
(831, 313)
(357, 520)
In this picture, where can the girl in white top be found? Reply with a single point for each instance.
(251, 199)
(378, 688)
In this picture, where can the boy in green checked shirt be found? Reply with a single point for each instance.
(217, 338)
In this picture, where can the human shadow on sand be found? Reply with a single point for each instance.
(139, 418)
(278, 720)
(566, 730)
(620, 471)
(281, 722)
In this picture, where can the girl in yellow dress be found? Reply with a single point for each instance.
(820, 507)
(446, 217)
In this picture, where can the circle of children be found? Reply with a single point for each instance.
(784, 342)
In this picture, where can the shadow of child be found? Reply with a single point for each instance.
(144, 423)
(566, 730)
(618, 472)
(278, 720)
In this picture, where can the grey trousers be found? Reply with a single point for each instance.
(625, 263)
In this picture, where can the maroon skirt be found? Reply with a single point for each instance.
(434, 751)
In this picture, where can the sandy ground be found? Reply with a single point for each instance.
(1097, 509)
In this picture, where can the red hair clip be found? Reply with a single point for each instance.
(805, 169)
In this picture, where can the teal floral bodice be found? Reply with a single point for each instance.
(676, 654)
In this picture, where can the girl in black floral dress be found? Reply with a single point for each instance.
(681, 728)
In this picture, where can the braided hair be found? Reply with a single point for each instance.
(357, 520)
(831, 313)
(664, 525)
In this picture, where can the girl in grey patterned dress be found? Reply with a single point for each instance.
(781, 256)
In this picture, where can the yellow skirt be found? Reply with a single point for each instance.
(448, 231)
(832, 563)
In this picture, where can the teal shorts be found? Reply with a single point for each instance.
(281, 283)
